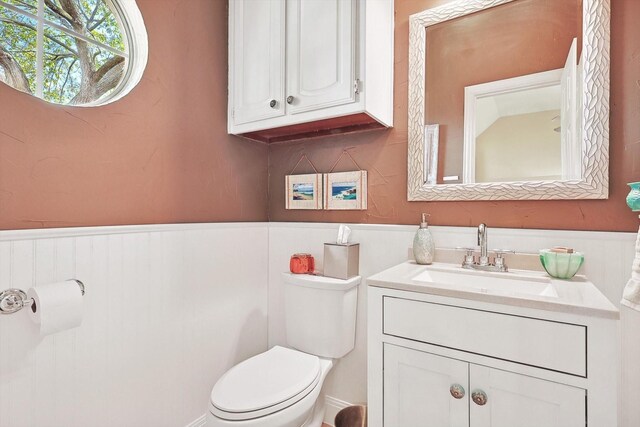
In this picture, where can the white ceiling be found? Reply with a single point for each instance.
(491, 108)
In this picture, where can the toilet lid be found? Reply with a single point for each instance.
(270, 379)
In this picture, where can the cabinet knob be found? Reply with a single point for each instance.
(273, 103)
(457, 391)
(290, 99)
(479, 397)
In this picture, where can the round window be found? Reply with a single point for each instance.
(72, 52)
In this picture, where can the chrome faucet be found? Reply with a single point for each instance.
(482, 242)
(483, 262)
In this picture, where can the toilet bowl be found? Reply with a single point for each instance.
(278, 388)
(281, 387)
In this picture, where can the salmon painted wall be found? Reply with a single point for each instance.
(159, 155)
(384, 154)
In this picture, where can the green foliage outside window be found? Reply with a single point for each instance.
(83, 50)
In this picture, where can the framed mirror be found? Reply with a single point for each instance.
(509, 100)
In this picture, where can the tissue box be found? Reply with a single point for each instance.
(341, 261)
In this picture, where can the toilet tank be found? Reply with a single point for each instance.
(320, 314)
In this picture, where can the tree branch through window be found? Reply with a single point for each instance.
(77, 70)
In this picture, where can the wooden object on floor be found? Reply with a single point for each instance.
(353, 416)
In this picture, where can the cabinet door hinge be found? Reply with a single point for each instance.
(357, 86)
(233, 113)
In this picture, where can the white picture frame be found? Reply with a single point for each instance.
(304, 191)
(345, 190)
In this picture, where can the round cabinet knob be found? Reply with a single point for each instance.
(273, 103)
(457, 391)
(290, 99)
(479, 397)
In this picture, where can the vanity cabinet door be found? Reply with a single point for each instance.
(504, 399)
(256, 58)
(321, 53)
(418, 389)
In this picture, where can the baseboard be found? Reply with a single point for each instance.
(199, 422)
(332, 407)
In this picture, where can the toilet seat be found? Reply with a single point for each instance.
(264, 384)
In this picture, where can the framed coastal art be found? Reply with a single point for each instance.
(304, 191)
(345, 190)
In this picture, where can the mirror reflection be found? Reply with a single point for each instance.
(503, 91)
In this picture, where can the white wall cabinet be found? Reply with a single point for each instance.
(324, 64)
(321, 37)
(451, 362)
(258, 59)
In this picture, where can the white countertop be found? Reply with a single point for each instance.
(575, 296)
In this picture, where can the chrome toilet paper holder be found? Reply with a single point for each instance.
(14, 300)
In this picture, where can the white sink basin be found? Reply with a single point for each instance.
(521, 288)
(487, 282)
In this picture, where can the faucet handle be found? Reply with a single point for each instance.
(499, 260)
(502, 252)
(468, 258)
(469, 251)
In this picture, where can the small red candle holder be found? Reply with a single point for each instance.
(302, 264)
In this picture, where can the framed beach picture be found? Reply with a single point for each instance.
(345, 190)
(303, 191)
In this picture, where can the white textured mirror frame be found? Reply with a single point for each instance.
(594, 183)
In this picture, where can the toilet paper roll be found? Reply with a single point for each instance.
(56, 306)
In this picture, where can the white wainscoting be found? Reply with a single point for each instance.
(608, 264)
(168, 309)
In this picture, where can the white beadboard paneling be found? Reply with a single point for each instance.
(168, 309)
(608, 259)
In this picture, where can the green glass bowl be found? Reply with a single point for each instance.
(559, 265)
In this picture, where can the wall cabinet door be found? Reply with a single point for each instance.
(417, 389)
(321, 53)
(514, 400)
(257, 43)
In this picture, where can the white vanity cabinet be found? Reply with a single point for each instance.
(521, 400)
(424, 389)
(445, 361)
(418, 387)
(299, 67)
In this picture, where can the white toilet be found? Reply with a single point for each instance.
(280, 387)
